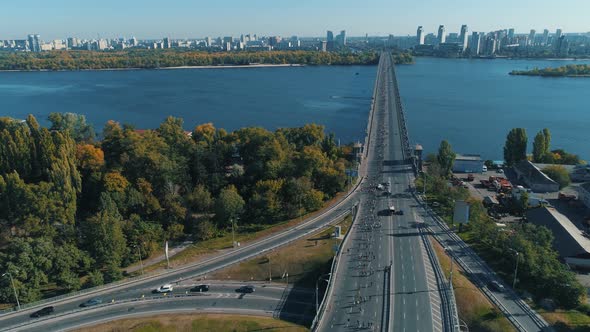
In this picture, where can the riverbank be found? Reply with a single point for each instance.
(164, 68)
(581, 70)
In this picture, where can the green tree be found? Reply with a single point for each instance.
(558, 174)
(446, 157)
(74, 124)
(199, 200)
(229, 204)
(539, 148)
(515, 147)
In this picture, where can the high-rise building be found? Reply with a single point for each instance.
(531, 41)
(329, 40)
(463, 37)
(34, 44)
(475, 43)
(420, 35)
(208, 42)
(562, 46)
(441, 38)
(166, 42)
(545, 37)
(510, 35)
(557, 34)
(343, 37)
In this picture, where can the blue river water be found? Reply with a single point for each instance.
(471, 103)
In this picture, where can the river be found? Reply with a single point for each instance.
(471, 103)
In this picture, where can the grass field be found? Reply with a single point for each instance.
(197, 323)
(474, 308)
(303, 260)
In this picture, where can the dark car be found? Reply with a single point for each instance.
(91, 302)
(246, 289)
(200, 288)
(498, 287)
(43, 312)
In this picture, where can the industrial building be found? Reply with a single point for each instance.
(569, 241)
(532, 176)
(468, 163)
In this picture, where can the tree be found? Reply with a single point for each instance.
(558, 174)
(445, 157)
(199, 200)
(539, 148)
(515, 147)
(523, 202)
(229, 204)
(74, 124)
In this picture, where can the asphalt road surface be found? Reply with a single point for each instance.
(267, 300)
(382, 282)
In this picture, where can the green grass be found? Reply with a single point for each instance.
(304, 260)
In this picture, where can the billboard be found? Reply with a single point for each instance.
(461, 212)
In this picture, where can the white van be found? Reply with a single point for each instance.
(484, 168)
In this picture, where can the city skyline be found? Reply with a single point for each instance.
(182, 19)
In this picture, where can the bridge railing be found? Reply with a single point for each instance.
(401, 114)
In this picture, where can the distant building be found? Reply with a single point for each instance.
(133, 42)
(569, 241)
(475, 43)
(34, 44)
(531, 41)
(329, 40)
(420, 35)
(208, 42)
(463, 37)
(324, 46)
(533, 177)
(441, 38)
(511, 35)
(342, 38)
(557, 34)
(468, 163)
(545, 37)
(562, 46)
(166, 42)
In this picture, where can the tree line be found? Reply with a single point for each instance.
(74, 210)
(568, 70)
(540, 271)
(150, 59)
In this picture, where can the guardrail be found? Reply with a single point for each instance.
(153, 275)
(539, 322)
(449, 307)
(333, 275)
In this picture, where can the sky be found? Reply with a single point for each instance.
(58, 19)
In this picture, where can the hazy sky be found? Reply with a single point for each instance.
(197, 18)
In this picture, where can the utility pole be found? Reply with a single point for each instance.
(233, 235)
(140, 260)
(13, 288)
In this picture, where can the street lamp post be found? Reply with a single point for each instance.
(140, 260)
(13, 288)
(515, 270)
(317, 289)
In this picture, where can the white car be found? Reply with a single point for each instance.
(164, 289)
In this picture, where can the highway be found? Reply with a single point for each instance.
(385, 280)
(222, 298)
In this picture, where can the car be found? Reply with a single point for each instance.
(43, 312)
(91, 302)
(200, 288)
(484, 168)
(380, 186)
(496, 286)
(501, 171)
(164, 289)
(246, 289)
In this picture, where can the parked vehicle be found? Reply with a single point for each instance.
(91, 302)
(164, 289)
(246, 289)
(200, 288)
(43, 312)
(391, 209)
(484, 168)
(470, 177)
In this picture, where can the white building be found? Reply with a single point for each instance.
(420, 35)
(441, 38)
(463, 37)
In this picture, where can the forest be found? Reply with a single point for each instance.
(563, 71)
(73, 209)
(163, 58)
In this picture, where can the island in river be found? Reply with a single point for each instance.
(581, 70)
